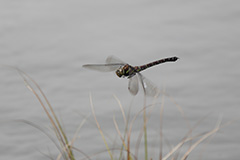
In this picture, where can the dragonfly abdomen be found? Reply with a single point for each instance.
(143, 67)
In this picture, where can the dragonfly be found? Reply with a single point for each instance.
(124, 70)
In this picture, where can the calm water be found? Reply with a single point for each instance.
(51, 40)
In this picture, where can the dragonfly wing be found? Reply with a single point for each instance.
(133, 85)
(149, 88)
(103, 67)
(113, 59)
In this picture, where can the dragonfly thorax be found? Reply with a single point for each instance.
(126, 71)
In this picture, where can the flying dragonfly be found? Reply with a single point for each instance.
(124, 70)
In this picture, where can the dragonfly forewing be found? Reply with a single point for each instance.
(133, 85)
(103, 67)
(113, 60)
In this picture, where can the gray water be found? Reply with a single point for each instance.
(51, 40)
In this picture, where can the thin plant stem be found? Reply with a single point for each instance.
(145, 130)
(99, 128)
(161, 126)
(144, 118)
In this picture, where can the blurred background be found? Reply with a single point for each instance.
(51, 40)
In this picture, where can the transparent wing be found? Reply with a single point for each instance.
(112, 64)
(114, 60)
(149, 88)
(133, 85)
(102, 67)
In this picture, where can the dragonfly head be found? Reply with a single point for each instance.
(119, 72)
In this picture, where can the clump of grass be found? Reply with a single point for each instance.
(66, 147)
(195, 140)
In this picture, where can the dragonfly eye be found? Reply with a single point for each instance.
(119, 73)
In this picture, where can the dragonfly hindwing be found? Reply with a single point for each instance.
(133, 85)
(149, 88)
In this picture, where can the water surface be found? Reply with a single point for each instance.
(51, 40)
